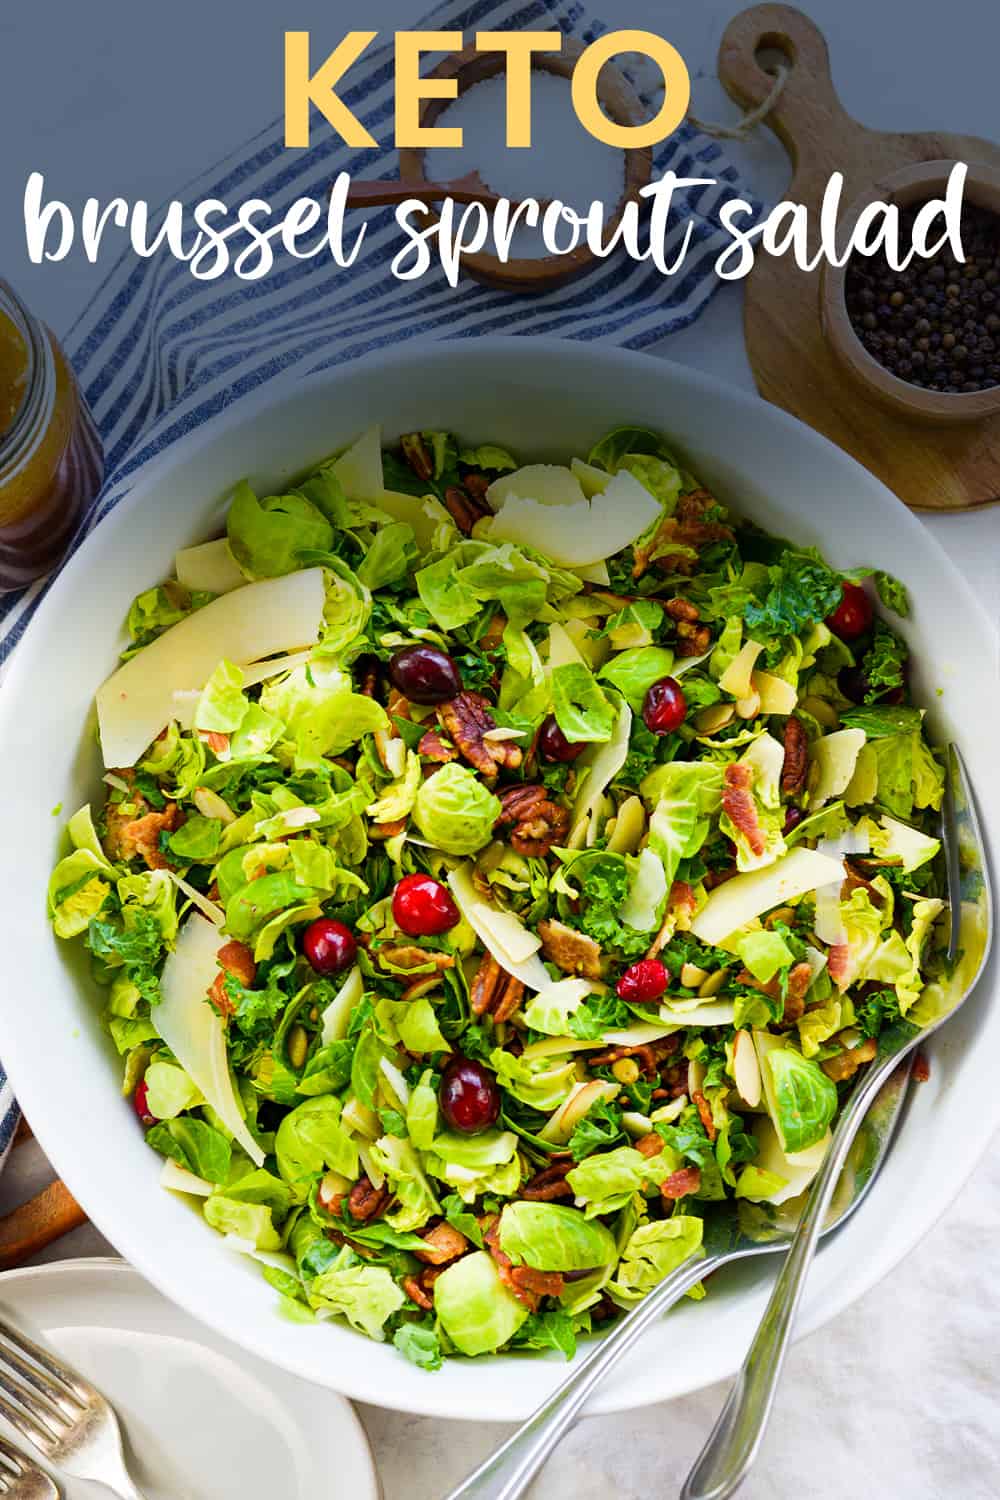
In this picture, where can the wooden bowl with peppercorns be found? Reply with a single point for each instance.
(924, 341)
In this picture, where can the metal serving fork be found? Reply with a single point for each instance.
(64, 1416)
(21, 1478)
(861, 1140)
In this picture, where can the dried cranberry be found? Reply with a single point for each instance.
(329, 946)
(425, 675)
(140, 1103)
(469, 1097)
(422, 906)
(665, 707)
(853, 616)
(644, 982)
(553, 744)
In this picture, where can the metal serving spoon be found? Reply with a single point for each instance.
(858, 1148)
(736, 1437)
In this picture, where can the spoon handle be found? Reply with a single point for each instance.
(509, 1471)
(736, 1437)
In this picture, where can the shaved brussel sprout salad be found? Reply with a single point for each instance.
(497, 868)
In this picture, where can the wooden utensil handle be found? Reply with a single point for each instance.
(50, 1214)
(807, 111)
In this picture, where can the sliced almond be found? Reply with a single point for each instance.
(749, 707)
(746, 1069)
(629, 827)
(499, 734)
(696, 1076)
(714, 718)
(211, 805)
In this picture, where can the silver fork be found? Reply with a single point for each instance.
(21, 1478)
(64, 1416)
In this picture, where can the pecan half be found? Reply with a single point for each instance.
(573, 952)
(434, 747)
(442, 1244)
(535, 820)
(417, 454)
(466, 720)
(796, 764)
(649, 1055)
(366, 1201)
(693, 640)
(687, 528)
(398, 706)
(739, 806)
(682, 609)
(550, 1183)
(494, 992)
(464, 507)
(477, 485)
(493, 634)
(409, 956)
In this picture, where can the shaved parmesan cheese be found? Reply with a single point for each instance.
(776, 695)
(210, 568)
(193, 1029)
(511, 944)
(397, 1084)
(337, 1015)
(797, 1169)
(360, 468)
(594, 573)
(601, 766)
(731, 906)
(546, 484)
(563, 650)
(373, 1171)
(137, 702)
(574, 533)
(746, 1069)
(261, 671)
(718, 1013)
(423, 512)
(736, 679)
(829, 926)
(214, 913)
(638, 1035)
(834, 757)
(863, 785)
(179, 1180)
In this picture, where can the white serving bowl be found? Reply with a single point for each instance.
(546, 400)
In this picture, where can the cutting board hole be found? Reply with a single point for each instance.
(773, 53)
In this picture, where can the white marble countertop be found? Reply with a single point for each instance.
(900, 1397)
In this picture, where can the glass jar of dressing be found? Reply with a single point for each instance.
(51, 460)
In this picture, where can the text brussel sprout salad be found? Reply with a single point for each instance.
(500, 868)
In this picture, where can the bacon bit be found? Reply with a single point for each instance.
(409, 956)
(366, 1201)
(549, 1183)
(838, 963)
(434, 747)
(705, 1114)
(847, 1063)
(217, 743)
(398, 706)
(649, 1145)
(494, 991)
(921, 1069)
(442, 1244)
(686, 528)
(795, 766)
(739, 807)
(650, 1055)
(416, 1293)
(680, 1183)
(235, 959)
(573, 952)
(799, 979)
(716, 878)
(529, 1285)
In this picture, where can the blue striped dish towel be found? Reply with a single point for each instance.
(158, 352)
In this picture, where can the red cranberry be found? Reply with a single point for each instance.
(853, 616)
(140, 1103)
(793, 817)
(425, 675)
(329, 946)
(665, 707)
(644, 982)
(469, 1097)
(422, 906)
(553, 744)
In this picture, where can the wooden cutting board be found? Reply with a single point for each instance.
(929, 467)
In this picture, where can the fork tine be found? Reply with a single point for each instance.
(11, 1458)
(69, 1405)
(62, 1374)
(26, 1420)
